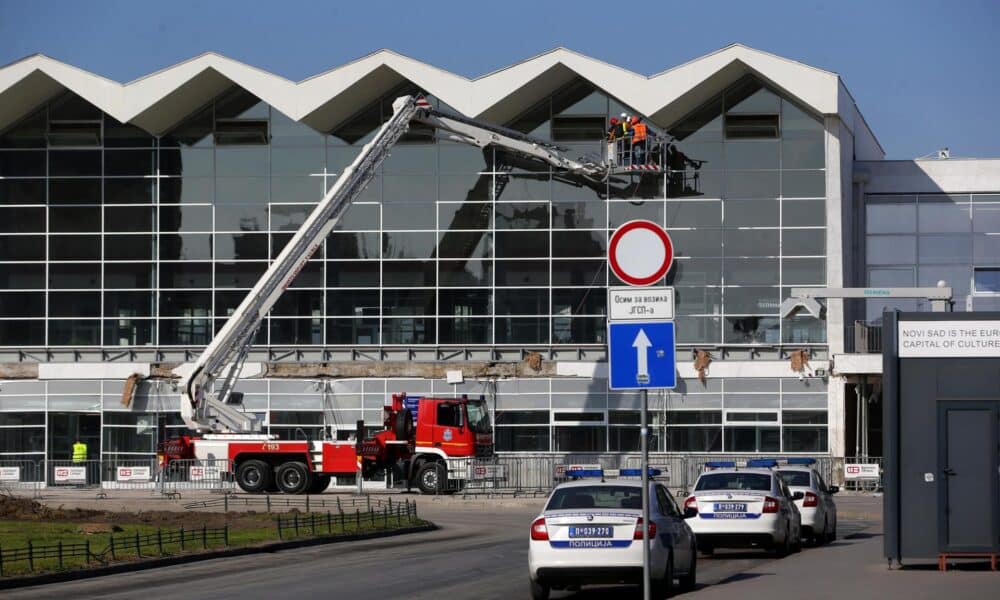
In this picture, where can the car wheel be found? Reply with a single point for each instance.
(431, 478)
(293, 478)
(832, 536)
(254, 476)
(660, 588)
(539, 591)
(690, 580)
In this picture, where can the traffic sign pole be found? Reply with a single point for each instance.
(644, 441)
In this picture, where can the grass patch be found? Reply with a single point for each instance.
(31, 547)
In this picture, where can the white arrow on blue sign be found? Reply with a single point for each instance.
(641, 355)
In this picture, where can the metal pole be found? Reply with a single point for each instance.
(644, 478)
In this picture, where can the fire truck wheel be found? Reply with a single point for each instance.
(431, 478)
(254, 476)
(403, 427)
(319, 484)
(293, 478)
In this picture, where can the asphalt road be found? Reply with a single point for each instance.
(476, 553)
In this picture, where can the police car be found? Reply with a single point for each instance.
(744, 508)
(590, 532)
(818, 510)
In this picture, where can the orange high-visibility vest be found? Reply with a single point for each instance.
(638, 133)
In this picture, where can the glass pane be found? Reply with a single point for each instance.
(65, 247)
(944, 217)
(522, 330)
(22, 191)
(88, 191)
(22, 276)
(751, 300)
(939, 249)
(579, 243)
(696, 271)
(891, 249)
(751, 213)
(465, 331)
(409, 217)
(464, 302)
(803, 213)
(408, 302)
(803, 184)
(185, 218)
(580, 330)
(522, 272)
(803, 242)
(465, 215)
(578, 215)
(751, 271)
(74, 332)
(587, 273)
(408, 274)
(522, 244)
(753, 155)
(750, 242)
(752, 330)
(522, 302)
(465, 273)
(352, 331)
(74, 276)
(408, 331)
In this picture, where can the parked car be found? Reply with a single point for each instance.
(817, 508)
(744, 508)
(590, 532)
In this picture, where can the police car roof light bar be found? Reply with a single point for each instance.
(801, 461)
(582, 473)
(720, 464)
(638, 472)
(766, 463)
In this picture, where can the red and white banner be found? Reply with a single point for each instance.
(861, 471)
(10, 473)
(70, 474)
(204, 473)
(133, 473)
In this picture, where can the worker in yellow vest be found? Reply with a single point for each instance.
(79, 452)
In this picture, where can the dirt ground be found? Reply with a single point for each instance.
(26, 509)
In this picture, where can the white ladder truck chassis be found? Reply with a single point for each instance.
(429, 454)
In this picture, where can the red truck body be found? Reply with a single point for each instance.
(426, 448)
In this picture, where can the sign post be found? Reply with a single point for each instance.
(641, 341)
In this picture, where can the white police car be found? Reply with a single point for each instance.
(590, 532)
(818, 510)
(744, 508)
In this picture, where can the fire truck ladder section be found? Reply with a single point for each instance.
(209, 411)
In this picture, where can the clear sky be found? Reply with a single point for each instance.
(925, 73)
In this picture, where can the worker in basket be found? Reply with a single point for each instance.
(639, 138)
(613, 129)
(622, 142)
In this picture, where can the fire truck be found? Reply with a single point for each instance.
(427, 441)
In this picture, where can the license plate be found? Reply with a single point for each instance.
(591, 532)
(730, 507)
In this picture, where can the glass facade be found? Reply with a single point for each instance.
(921, 239)
(112, 237)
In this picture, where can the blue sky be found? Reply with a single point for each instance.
(923, 72)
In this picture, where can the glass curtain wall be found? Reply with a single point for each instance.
(921, 239)
(112, 237)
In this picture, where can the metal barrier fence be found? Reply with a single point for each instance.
(533, 475)
(192, 474)
(64, 555)
(510, 474)
(389, 515)
(22, 476)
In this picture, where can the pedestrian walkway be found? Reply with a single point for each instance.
(852, 568)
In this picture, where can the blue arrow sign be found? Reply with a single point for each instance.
(641, 355)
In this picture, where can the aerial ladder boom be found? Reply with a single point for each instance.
(206, 410)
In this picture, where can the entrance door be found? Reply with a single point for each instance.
(968, 475)
(64, 430)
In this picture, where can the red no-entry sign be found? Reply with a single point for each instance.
(640, 252)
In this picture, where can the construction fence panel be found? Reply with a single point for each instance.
(22, 475)
(74, 474)
(194, 474)
(129, 474)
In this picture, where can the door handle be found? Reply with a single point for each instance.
(949, 472)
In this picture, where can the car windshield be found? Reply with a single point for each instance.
(478, 416)
(795, 478)
(596, 496)
(734, 481)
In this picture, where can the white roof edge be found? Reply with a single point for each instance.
(647, 94)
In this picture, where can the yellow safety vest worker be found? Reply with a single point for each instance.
(79, 452)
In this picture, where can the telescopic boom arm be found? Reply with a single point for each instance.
(206, 410)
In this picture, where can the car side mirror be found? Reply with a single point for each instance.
(798, 495)
(833, 489)
(690, 513)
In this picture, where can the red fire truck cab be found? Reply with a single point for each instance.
(427, 442)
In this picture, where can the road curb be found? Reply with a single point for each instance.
(141, 565)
